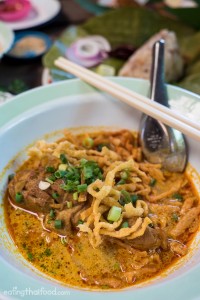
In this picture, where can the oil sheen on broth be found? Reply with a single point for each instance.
(89, 211)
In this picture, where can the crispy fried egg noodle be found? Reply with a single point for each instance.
(105, 193)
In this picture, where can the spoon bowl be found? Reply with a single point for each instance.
(161, 143)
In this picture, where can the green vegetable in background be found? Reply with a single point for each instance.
(193, 68)
(58, 49)
(189, 15)
(190, 47)
(132, 26)
(191, 83)
(15, 87)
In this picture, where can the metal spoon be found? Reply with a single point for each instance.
(161, 143)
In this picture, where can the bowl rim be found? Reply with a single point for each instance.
(6, 107)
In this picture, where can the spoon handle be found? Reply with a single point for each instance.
(158, 90)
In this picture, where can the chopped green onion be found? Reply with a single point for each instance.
(83, 161)
(96, 171)
(80, 222)
(152, 182)
(19, 197)
(52, 214)
(125, 198)
(116, 266)
(177, 196)
(55, 196)
(125, 225)
(47, 252)
(75, 196)
(10, 177)
(63, 240)
(175, 217)
(62, 167)
(114, 214)
(58, 224)
(104, 287)
(122, 181)
(125, 175)
(63, 158)
(100, 146)
(50, 169)
(151, 225)
(69, 204)
(70, 186)
(72, 174)
(58, 174)
(50, 179)
(134, 198)
(91, 171)
(88, 142)
(82, 188)
(30, 256)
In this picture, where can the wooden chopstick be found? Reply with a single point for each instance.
(141, 98)
(142, 103)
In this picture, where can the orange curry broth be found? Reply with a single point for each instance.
(63, 258)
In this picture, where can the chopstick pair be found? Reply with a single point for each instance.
(142, 103)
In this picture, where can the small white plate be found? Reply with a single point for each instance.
(42, 12)
(6, 38)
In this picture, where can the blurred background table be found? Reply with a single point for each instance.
(124, 28)
(30, 72)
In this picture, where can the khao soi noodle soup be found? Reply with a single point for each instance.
(89, 211)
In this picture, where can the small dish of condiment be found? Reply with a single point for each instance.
(29, 45)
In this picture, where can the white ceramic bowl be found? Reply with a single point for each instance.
(6, 38)
(72, 103)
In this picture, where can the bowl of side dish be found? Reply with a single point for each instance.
(131, 218)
